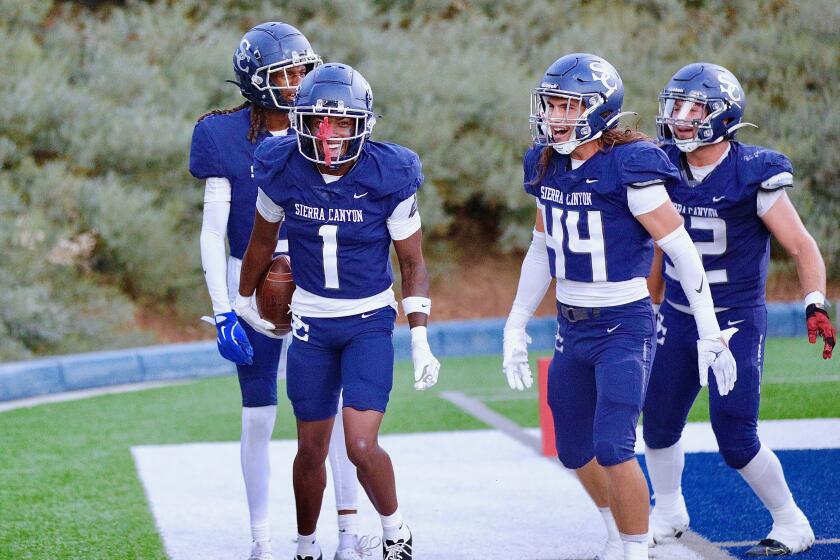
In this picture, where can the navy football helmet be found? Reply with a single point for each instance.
(331, 91)
(268, 49)
(704, 97)
(576, 100)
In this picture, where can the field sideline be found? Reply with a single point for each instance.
(68, 483)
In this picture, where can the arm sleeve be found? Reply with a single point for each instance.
(269, 209)
(680, 249)
(644, 200)
(405, 219)
(212, 240)
(204, 156)
(534, 280)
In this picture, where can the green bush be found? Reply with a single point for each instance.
(99, 213)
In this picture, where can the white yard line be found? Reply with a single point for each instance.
(87, 393)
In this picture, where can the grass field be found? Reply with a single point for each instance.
(69, 490)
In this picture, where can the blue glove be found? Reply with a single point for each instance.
(231, 339)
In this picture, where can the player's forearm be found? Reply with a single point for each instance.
(257, 257)
(213, 255)
(415, 283)
(534, 280)
(809, 266)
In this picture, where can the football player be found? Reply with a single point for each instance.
(601, 202)
(343, 200)
(732, 196)
(269, 64)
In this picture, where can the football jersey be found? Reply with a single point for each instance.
(220, 148)
(721, 216)
(591, 234)
(339, 240)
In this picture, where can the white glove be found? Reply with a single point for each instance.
(246, 308)
(515, 359)
(711, 352)
(426, 366)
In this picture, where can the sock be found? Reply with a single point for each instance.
(609, 522)
(393, 527)
(348, 529)
(257, 425)
(635, 546)
(343, 471)
(306, 546)
(665, 467)
(765, 476)
(260, 532)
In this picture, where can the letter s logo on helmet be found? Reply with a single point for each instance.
(241, 55)
(603, 75)
(730, 88)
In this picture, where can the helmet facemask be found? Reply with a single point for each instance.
(320, 144)
(262, 79)
(674, 111)
(544, 128)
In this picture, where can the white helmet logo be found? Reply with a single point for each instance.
(603, 74)
(242, 57)
(729, 87)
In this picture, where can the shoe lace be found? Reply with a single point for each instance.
(395, 550)
(367, 544)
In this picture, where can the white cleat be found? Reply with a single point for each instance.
(613, 550)
(261, 551)
(668, 523)
(362, 550)
(787, 538)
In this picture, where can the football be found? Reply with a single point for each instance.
(274, 294)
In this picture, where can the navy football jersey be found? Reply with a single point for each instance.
(338, 235)
(591, 234)
(721, 216)
(220, 148)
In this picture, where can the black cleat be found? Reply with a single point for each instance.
(769, 547)
(299, 557)
(398, 549)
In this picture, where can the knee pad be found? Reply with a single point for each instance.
(657, 437)
(609, 454)
(737, 439)
(573, 458)
(739, 457)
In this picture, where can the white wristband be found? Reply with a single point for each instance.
(417, 304)
(815, 297)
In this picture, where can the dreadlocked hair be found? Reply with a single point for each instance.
(259, 119)
(611, 138)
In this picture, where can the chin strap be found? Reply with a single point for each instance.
(325, 132)
(618, 116)
(730, 131)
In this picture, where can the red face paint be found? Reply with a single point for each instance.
(325, 132)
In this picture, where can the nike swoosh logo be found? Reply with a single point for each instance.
(360, 195)
(733, 323)
(700, 289)
(612, 329)
(718, 198)
(366, 315)
(590, 181)
(223, 331)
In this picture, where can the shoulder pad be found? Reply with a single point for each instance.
(386, 169)
(642, 163)
(272, 157)
(204, 154)
(765, 168)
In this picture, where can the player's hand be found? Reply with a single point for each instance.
(246, 308)
(515, 359)
(231, 339)
(819, 323)
(713, 352)
(426, 366)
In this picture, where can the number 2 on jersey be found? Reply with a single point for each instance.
(717, 246)
(330, 253)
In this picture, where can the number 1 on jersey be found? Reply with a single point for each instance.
(330, 252)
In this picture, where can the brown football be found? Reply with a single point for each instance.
(274, 294)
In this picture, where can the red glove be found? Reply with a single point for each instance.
(819, 324)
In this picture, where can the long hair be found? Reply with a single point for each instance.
(611, 138)
(259, 119)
